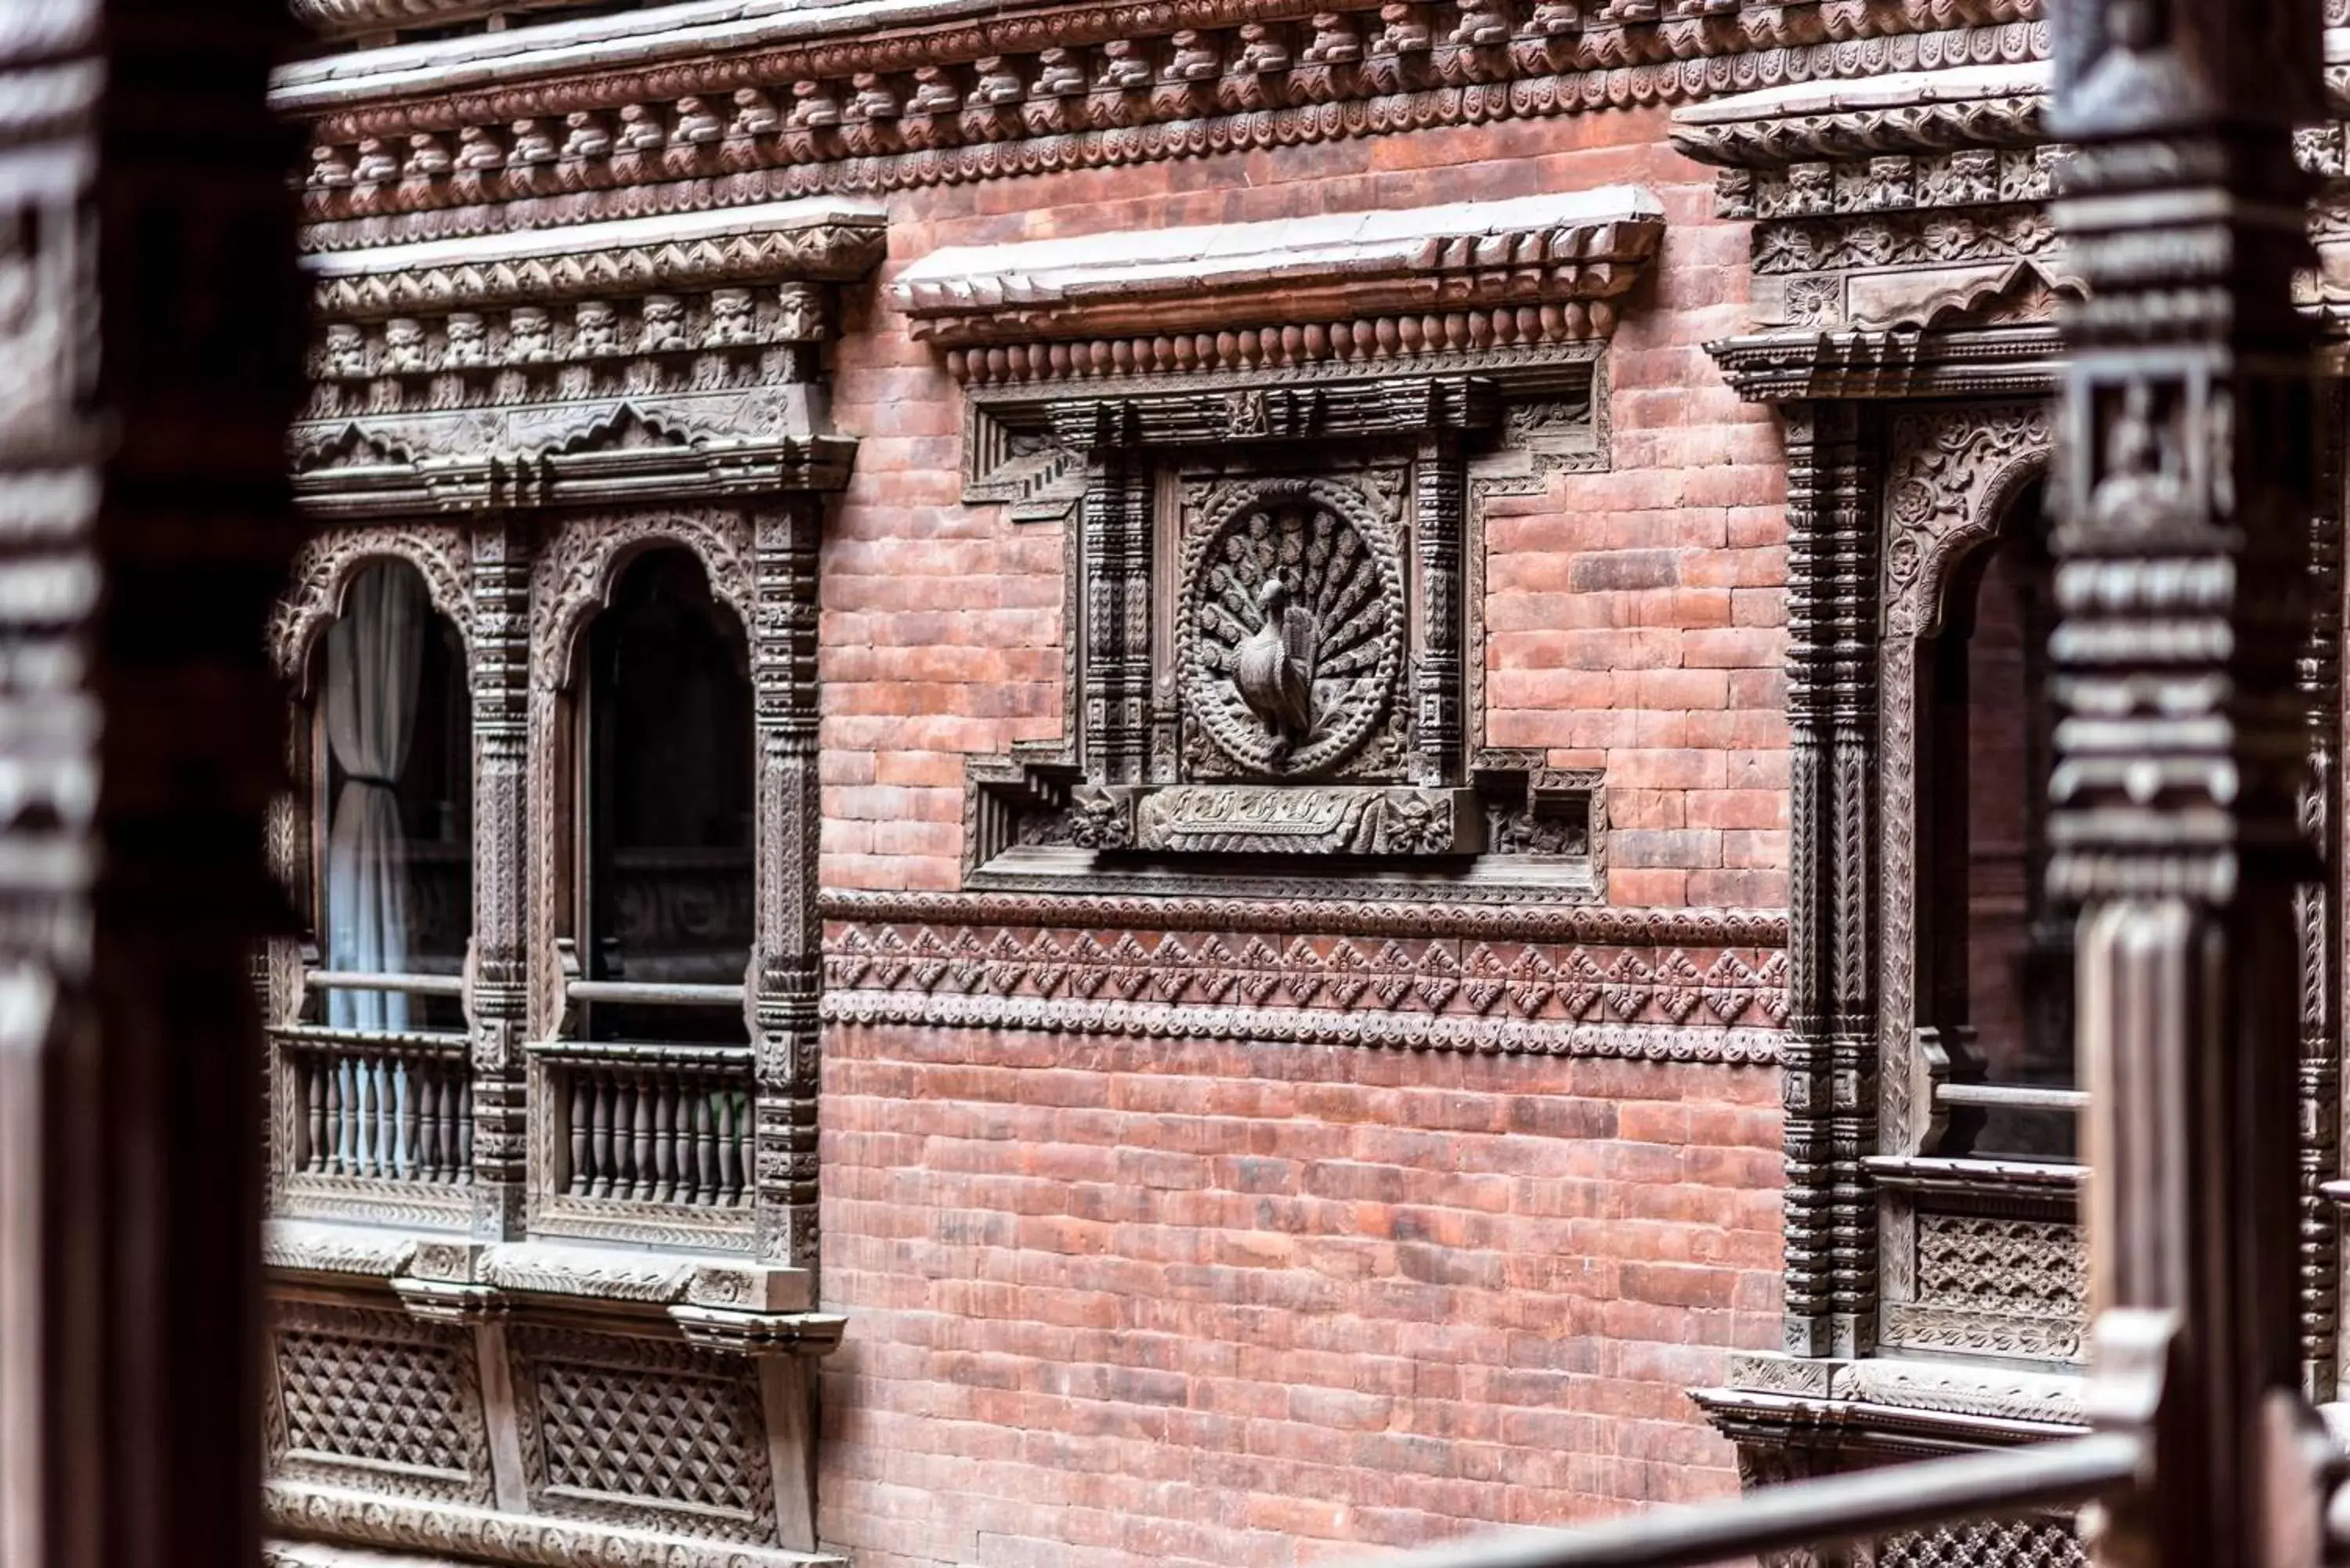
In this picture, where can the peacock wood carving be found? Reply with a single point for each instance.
(1295, 635)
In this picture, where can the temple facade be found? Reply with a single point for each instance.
(1080, 786)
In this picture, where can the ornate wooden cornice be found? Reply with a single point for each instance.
(1581, 249)
(1908, 113)
(433, 140)
(705, 49)
(817, 239)
(344, 18)
(670, 354)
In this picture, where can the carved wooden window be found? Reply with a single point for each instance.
(379, 1085)
(1995, 983)
(1275, 631)
(648, 1085)
(1980, 1249)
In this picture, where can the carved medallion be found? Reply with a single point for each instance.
(1293, 624)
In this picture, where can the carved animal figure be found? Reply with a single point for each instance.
(1273, 666)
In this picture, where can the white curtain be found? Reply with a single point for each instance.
(373, 654)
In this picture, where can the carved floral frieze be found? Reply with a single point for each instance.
(1977, 176)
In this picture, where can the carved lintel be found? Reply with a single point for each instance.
(1353, 409)
(1307, 819)
(1868, 363)
(610, 451)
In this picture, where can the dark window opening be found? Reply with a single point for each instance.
(1999, 956)
(667, 802)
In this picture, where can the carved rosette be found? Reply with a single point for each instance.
(1302, 575)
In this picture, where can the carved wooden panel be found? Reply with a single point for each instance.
(1986, 1543)
(376, 1400)
(1992, 1284)
(643, 1431)
(1278, 635)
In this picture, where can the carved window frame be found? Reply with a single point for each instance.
(322, 576)
(1107, 460)
(578, 570)
(1953, 475)
(522, 595)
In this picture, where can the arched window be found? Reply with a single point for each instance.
(2000, 956)
(666, 872)
(652, 1091)
(385, 1093)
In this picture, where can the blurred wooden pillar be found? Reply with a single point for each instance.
(2182, 580)
(149, 357)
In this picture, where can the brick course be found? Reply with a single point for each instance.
(1221, 1304)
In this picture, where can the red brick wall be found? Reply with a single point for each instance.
(1117, 1300)
(1635, 617)
(1153, 1302)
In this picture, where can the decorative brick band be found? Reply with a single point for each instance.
(1718, 1003)
(1312, 1026)
(1496, 921)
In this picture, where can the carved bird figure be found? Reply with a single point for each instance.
(1273, 666)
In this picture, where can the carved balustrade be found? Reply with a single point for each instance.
(652, 1123)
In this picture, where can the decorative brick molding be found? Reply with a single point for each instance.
(1315, 1027)
(1683, 1003)
(1554, 923)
